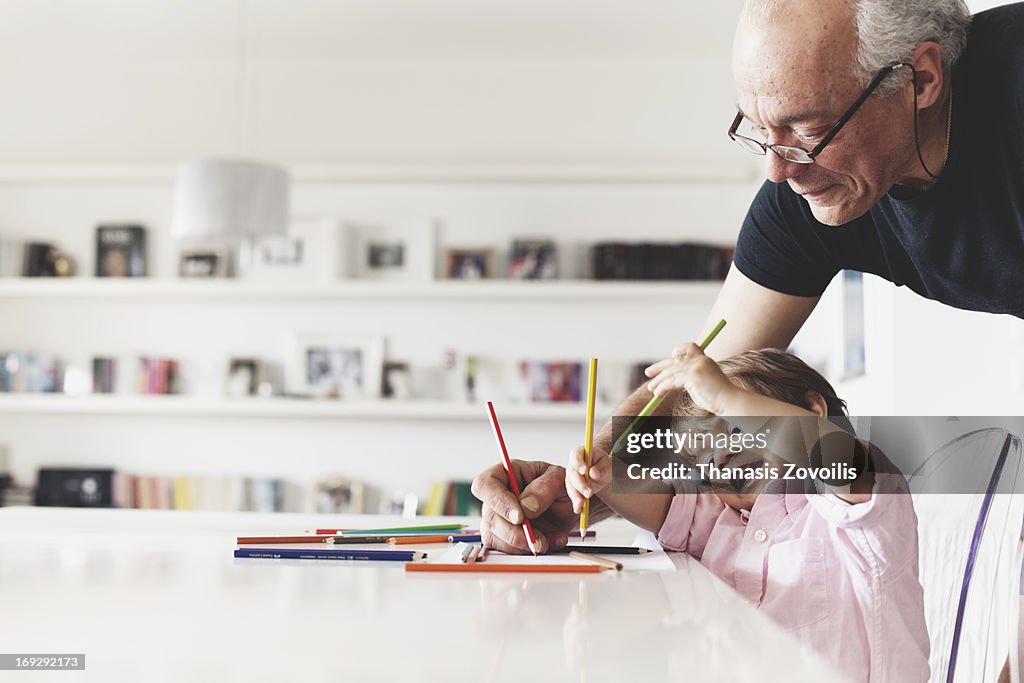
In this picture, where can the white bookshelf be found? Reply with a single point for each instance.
(283, 408)
(354, 290)
(735, 172)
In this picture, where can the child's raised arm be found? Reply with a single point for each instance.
(789, 437)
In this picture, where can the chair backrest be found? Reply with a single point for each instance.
(969, 499)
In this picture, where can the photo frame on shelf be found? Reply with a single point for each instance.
(533, 259)
(313, 251)
(398, 249)
(244, 377)
(327, 365)
(552, 381)
(203, 262)
(397, 380)
(120, 250)
(340, 495)
(470, 264)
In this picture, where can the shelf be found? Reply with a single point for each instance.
(188, 406)
(679, 173)
(444, 290)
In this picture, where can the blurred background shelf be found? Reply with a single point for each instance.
(284, 408)
(84, 288)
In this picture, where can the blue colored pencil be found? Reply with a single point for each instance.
(468, 538)
(329, 554)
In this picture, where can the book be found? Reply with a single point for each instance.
(120, 250)
(660, 261)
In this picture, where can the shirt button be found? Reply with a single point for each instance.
(760, 535)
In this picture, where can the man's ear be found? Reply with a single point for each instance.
(927, 61)
(816, 403)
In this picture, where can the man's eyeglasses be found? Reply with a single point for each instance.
(800, 155)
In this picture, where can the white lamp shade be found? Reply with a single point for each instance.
(229, 200)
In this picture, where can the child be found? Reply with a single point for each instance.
(838, 568)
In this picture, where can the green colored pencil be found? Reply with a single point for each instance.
(653, 404)
(404, 529)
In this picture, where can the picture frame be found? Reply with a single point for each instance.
(552, 381)
(395, 249)
(203, 262)
(469, 264)
(533, 259)
(244, 376)
(324, 365)
(314, 251)
(340, 495)
(120, 250)
(397, 380)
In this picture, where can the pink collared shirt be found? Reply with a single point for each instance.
(843, 578)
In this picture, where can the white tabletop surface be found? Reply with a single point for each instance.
(158, 596)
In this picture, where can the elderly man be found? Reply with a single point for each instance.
(894, 135)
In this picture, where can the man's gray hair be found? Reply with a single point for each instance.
(890, 30)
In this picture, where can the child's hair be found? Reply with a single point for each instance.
(775, 374)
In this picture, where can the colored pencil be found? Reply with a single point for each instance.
(588, 443)
(329, 554)
(653, 404)
(599, 561)
(281, 539)
(509, 568)
(483, 553)
(468, 538)
(513, 484)
(426, 529)
(605, 549)
(465, 550)
(406, 540)
(339, 540)
(474, 554)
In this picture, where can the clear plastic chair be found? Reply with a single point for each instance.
(969, 499)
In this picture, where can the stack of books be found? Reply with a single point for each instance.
(660, 261)
(452, 498)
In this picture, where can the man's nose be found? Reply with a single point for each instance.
(779, 170)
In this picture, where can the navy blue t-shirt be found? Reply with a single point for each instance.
(960, 242)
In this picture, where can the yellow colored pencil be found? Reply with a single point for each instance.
(588, 444)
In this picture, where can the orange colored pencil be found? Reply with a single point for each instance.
(282, 539)
(430, 538)
(511, 568)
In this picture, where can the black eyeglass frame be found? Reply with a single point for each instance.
(809, 156)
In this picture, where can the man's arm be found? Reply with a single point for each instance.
(758, 317)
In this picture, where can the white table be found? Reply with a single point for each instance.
(157, 596)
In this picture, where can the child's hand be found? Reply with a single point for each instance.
(576, 484)
(691, 371)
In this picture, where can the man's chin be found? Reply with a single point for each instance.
(834, 213)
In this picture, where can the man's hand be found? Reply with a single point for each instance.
(544, 502)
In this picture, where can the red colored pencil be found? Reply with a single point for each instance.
(498, 567)
(513, 484)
